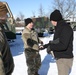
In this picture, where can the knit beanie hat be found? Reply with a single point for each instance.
(3, 9)
(28, 20)
(55, 15)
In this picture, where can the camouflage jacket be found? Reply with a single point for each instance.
(30, 39)
(6, 53)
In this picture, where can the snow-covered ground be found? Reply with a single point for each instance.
(48, 66)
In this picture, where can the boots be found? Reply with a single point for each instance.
(36, 73)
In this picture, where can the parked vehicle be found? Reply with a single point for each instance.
(74, 28)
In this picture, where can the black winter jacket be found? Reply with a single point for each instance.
(63, 49)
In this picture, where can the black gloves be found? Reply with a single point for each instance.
(41, 47)
(46, 45)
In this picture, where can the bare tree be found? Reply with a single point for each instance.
(66, 7)
(41, 11)
(18, 19)
(21, 16)
(33, 13)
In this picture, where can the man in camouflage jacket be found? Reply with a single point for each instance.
(6, 56)
(31, 45)
(6, 59)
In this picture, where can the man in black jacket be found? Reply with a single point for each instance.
(63, 49)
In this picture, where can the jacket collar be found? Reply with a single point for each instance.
(28, 29)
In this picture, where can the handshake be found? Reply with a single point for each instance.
(41, 47)
(49, 51)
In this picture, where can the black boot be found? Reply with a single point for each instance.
(36, 73)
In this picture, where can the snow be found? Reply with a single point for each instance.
(48, 66)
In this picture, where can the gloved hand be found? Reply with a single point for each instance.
(46, 45)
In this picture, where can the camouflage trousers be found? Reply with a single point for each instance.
(2, 72)
(33, 61)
